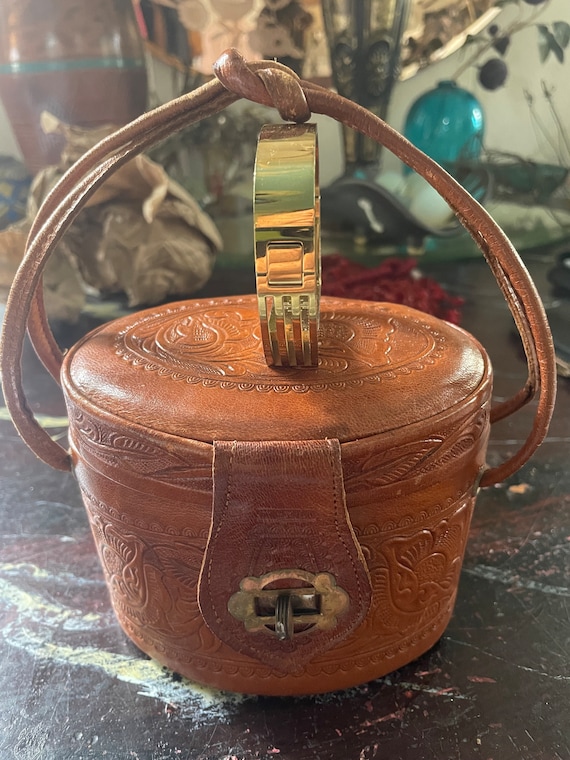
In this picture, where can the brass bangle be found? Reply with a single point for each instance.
(286, 214)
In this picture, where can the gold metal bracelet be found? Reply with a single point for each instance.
(286, 214)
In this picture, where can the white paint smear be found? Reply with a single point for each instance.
(47, 617)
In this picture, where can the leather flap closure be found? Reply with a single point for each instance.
(283, 576)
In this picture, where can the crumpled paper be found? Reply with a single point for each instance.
(141, 234)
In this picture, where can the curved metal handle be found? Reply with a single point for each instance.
(286, 221)
(269, 84)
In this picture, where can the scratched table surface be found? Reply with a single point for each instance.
(495, 687)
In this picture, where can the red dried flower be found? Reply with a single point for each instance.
(395, 280)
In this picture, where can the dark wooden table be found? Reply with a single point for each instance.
(496, 687)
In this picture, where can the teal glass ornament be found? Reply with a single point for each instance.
(447, 123)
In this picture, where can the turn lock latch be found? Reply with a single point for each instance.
(287, 603)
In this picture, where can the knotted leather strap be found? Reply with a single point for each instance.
(280, 524)
(269, 84)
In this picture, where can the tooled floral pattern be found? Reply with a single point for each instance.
(204, 342)
(152, 573)
(381, 466)
(410, 519)
(423, 568)
(414, 576)
(135, 524)
(372, 467)
(140, 454)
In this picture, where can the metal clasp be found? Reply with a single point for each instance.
(286, 603)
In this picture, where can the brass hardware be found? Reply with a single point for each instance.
(284, 611)
(287, 243)
(309, 602)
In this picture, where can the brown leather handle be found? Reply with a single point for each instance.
(266, 83)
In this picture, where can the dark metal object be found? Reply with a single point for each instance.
(364, 39)
(377, 214)
(284, 617)
(371, 210)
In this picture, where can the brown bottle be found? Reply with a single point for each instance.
(81, 60)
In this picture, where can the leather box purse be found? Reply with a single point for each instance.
(263, 526)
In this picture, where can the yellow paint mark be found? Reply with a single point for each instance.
(44, 420)
(34, 605)
(520, 488)
(25, 567)
(154, 680)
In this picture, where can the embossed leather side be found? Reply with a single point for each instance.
(280, 506)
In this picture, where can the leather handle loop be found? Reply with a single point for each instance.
(244, 80)
(53, 219)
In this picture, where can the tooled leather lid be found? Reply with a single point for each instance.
(197, 369)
